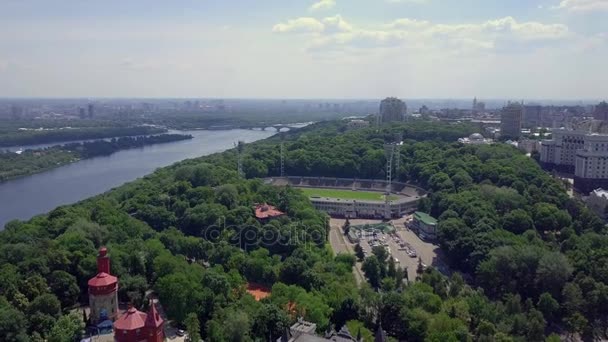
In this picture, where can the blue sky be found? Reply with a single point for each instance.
(519, 49)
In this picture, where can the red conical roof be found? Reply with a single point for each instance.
(102, 279)
(131, 320)
(153, 320)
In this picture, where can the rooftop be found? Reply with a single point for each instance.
(425, 218)
(131, 320)
(102, 279)
(265, 211)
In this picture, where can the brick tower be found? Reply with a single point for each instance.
(103, 291)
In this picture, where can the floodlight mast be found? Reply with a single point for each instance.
(240, 146)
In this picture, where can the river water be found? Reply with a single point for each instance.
(25, 197)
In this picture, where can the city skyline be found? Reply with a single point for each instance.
(551, 49)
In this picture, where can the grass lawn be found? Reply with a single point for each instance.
(346, 194)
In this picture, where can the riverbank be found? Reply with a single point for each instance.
(29, 162)
(23, 136)
(25, 197)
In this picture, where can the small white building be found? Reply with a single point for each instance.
(475, 139)
(598, 201)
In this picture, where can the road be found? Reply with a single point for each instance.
(340, 244)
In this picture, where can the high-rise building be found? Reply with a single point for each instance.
(510, 120)
(478, 107)
(91, 109)
(532, 116)
(392, 110)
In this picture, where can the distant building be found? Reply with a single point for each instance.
(392, 110)
(528, 145)
(598, 202)
(510, 120)
(532, 116)
(265, 212)
(91, 110)
(475, 139)
(425, 225)
(82, 113)
(478, 107)
(582, 151)
(601, 111)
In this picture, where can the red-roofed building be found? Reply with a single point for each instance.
(103, 291)
(265, 212)
(136, 326)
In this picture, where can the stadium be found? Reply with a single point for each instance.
(356, 198)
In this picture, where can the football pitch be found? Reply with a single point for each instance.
(347, 194)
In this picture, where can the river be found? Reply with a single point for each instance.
(25, 197)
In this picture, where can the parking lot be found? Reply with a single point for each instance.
(403, 245)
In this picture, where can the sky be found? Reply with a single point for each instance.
(516, 49)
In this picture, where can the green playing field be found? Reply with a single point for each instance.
(346, 194)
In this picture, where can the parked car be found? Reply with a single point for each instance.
(180, 332)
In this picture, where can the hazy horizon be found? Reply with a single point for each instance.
(305, 49)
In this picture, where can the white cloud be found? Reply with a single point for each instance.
(299, 25)
(323, 5)
(336, 24)
(408, 1)
(504, 33)
(583, 5)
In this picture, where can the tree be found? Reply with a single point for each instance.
(193, 327)
(67, 328)
(547, 305)
(536, 326)
(359, 252)
(420, 268)
(270, 320)
(553, 272)
(346, 226)
(576, 323)
(517, 221)
(227, 195)
(548, 217)
(65, 287)
(179, 295)
(237, 326)
(391, 269)
(371, 269)
(13, 324)
(572, 299)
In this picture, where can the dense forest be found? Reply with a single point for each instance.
(29, 162)
(530, 260)
(10, 135)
